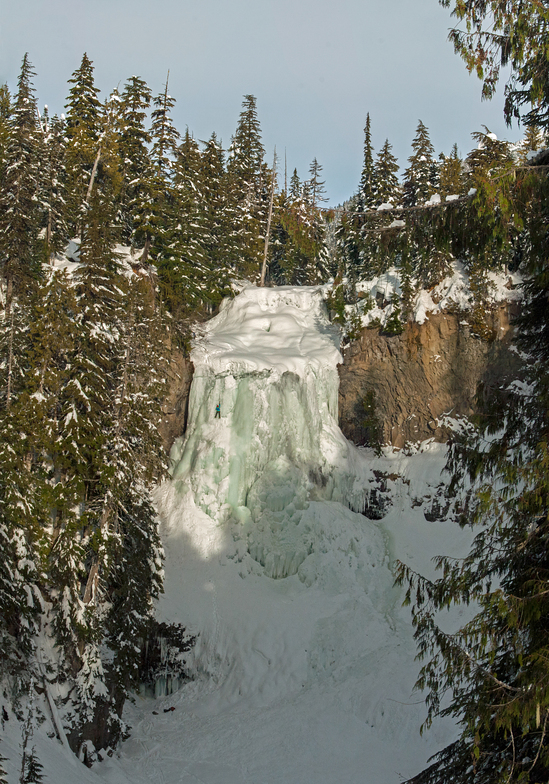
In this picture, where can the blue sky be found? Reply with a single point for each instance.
(316, 69)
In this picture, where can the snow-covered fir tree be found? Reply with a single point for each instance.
(421, 176)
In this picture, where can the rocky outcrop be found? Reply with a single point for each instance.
(175, 405)
(407, 383)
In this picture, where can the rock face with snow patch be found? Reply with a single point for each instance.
(424, 378)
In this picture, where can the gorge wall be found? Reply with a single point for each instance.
(412, 380)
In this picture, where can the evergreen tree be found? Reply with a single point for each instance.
(248, 187)
(134, 141)
(491, 157)
(83, 130)
(157, 220)
(216, 214)
(495, 667)
(316, 189)
(53, 192)
(5, 113)
(366, 197)
(534, 140)
(33, 773)
(421, 176)
(3, 774)
(386, 184)
(19, 196)
(451, 174)
(19, 216)
(182, 263)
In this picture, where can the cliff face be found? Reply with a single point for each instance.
(175, 406)
(415, 378)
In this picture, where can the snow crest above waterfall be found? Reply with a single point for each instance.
(284, 329)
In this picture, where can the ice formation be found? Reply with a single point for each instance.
(269, 361)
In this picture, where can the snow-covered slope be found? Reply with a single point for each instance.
(304, 665)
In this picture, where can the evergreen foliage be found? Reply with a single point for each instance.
(365, 198)
(386, 186)
(421, 176)
(451, 181)
(495, 666)
(83, 131)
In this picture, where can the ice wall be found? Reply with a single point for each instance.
(269, 360)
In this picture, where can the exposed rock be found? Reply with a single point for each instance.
(430, 370)
(175, 407)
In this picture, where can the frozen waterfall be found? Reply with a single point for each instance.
(304, 662)
(269, 360)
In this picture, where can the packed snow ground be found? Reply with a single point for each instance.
(304, 667)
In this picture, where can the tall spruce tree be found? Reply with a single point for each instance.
(421, 176)
(134, 141)
(365, 196)
(216, 214)
(387, 187)
(157, 220)
(248, 186)
(5, 112)
(53, 191)
(83, 131)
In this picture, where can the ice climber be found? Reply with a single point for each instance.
(218, 411)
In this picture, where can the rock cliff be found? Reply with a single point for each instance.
(412, 380)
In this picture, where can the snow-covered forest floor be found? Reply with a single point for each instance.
(304, 668)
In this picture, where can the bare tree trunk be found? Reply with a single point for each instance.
(264, 265)
(9, 315)
(145, 255)
(93, 174)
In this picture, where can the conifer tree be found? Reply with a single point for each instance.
(3, 774)
(83, 130)
(316, 189)
(216, 214)
(248, 185)
(33, 773)
(491, 157)
(420, 178)
(19, 216)
(18, 200)
(158, 219)
(451, 174)
(534, 140)
(182, 263)
(386, 184)
(5, 112)
(365, 198)
(53, 191)
(133, 142)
